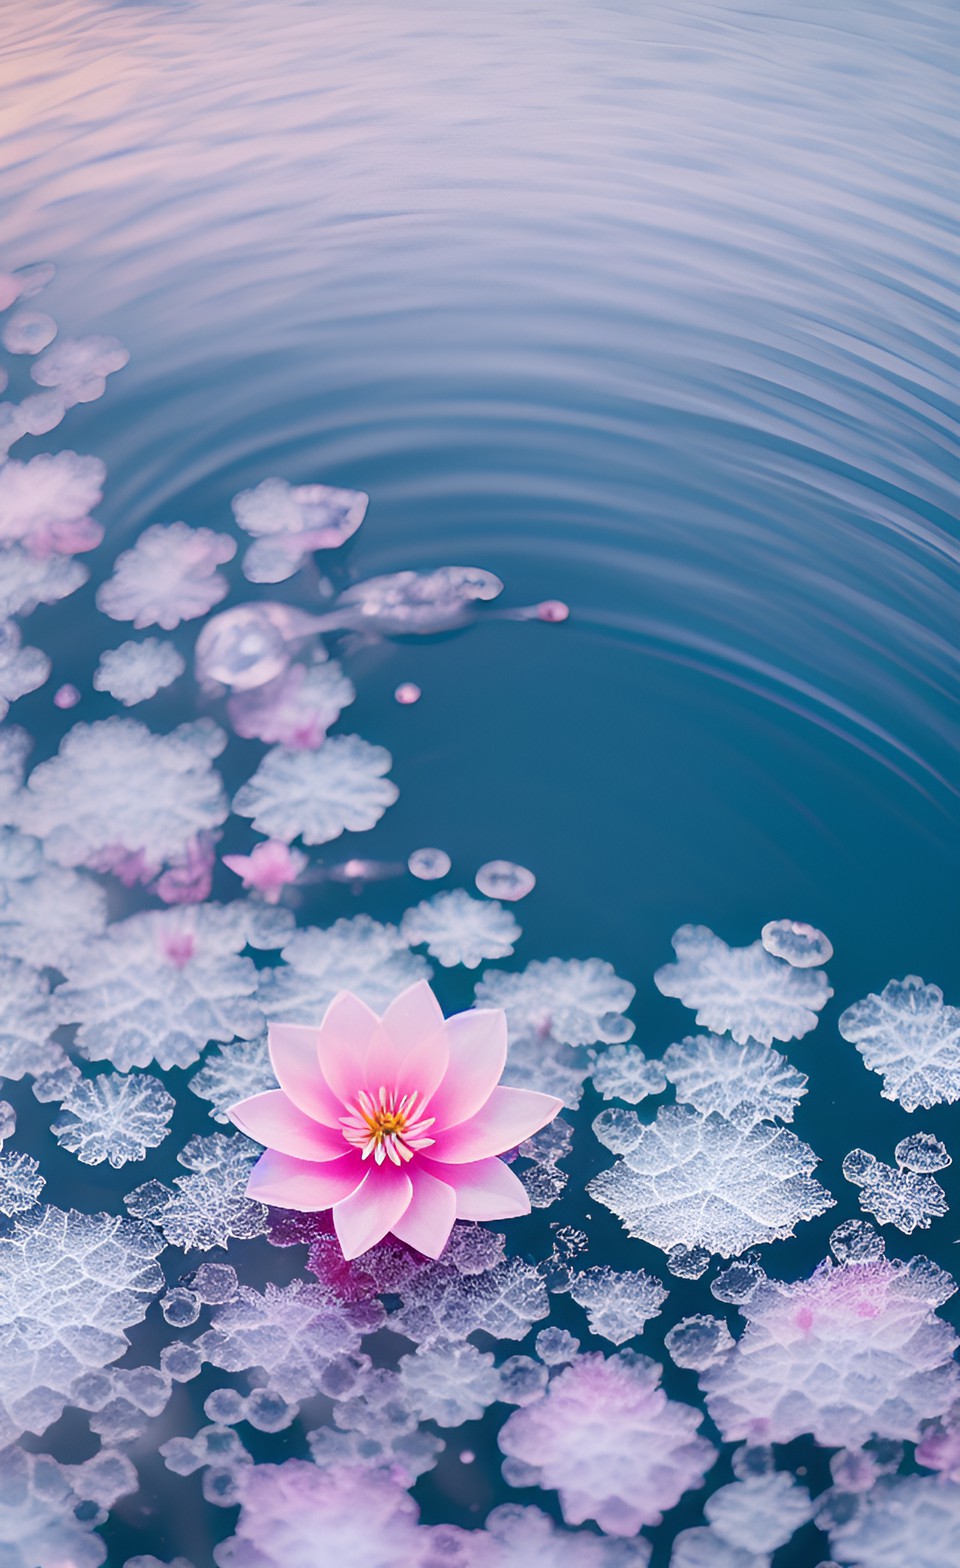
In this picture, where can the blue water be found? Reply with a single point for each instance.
(645, 307)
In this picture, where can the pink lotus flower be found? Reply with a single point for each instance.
(269, 868)
(394, 1123)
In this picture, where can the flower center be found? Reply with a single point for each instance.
(388, 1126)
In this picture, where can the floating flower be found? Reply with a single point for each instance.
(394, 1123)
(269, 868)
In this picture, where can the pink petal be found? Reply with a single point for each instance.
(477, 1043)
(346, 1031)
(485, 1189)
(301, 1184)
(429, 1219)
(509, 1116)
(276, 1122)
(370, 1213)
(412, 1015)
(293, 1052)
(402, 1054)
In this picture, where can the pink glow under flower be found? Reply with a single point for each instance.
(269, 868)
(394, 1123)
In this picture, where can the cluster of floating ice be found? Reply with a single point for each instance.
(115, 1117)
(912, 1038)
(209, 1207)
(622, 1072)
(899, 1195)
(295, 709)
(743, 991)
(712, 1073)
(289, 521)
(458, 929)
(170, 575)
(136, 671)
(317, 795)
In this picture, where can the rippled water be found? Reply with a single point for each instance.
(649, 308)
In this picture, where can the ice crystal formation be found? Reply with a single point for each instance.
(136, 671)
(21, 669)
(905, 1519)
(622, 1072)
(759, 1513)
(743, 991)
(119, 798)
(232, 1073)
(317, 795)
(288, 521)
(855, 1352)
(576, 1001)
(46, 911)
(703, 1181)
(458, 929)
(209, 1207)
(895, 1195)
(169, 576)
(296, 708)
(712, 1073)
(607, 1438)
(27, 1021)
(358, 955)
(911, 1038)
(20, 1182)
(70, 1285)
(158, 986)
(617, 1305)
(114, 1117)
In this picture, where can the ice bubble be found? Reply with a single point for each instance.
(909, 1036)
(28, 332)
(45, 503)
(317, 795)
(801, 945)
(688, 1262)
(555, 1346)
(66, 696)
(697, 1342)
(295, 709)
(214, 1283)
(856, 1242)
(458, 929)
(136, 671)
(503, 879)
(738, 1283)
(607, 1438)
(716, 1074)
(180, 1308)
(170, 575)
(577, 1001)
(742, 990)
(407, 693)
(922, 1152)
(251, 644)
(114, 1117)
(80, 366)
(429, 865)
(705, 1181)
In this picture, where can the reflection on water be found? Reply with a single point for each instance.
(639, 310)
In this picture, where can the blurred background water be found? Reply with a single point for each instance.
(647, 307)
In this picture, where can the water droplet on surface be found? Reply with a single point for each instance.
(503, 879)
(429, 864)
(66, 696)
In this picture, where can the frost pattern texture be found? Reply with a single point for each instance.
(46, 911)
(703, 1181)
(136, 671)
(857, 1351)
(70, 1284)
(20, 1183)
(905, 1519)
(743, 991)
(622, 1072)
(291, 1334)
(358, 955)
(169, 576)
(159, 986)
(208, 1208)
(576, 1001)
(317, 795)
(606, 1436)
(27, 1020)
(909, 1036)
(617, 1305)
(41, 1517)
(458, 929)
(233, 1073)
(904, 1198)
(114, 1117)
(759, 1512)
(45, 504)
(21, 669)
(716, 1074)
(119, 798)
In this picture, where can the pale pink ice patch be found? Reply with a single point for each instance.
(394, 1123)
(268, 868)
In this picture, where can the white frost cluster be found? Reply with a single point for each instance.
(288, 521)
(617, 1305)
(70, 1284)
(296, 709)
(79, 367)
(114, 1117)
(698, 1342)
(20, 1182)
(28, 580)
(317, 795)
(118, 797)
(46, 1515)
(208, 1208)
(712, 1073)
(136, 671)
(449, 1383)
(912, 1519)
(759, 1513)
(21, 669)
(912, 1038)
(358, 955)
(622, 1072)
(548, 1066)
(576, 1001)
(169, 576)
(27, 1022)
(894, 1195)
(158, 986)
(704, 1181)
(458, 929)
(45, 504)
(46, 911)
(743, 991)
(606, 1436)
